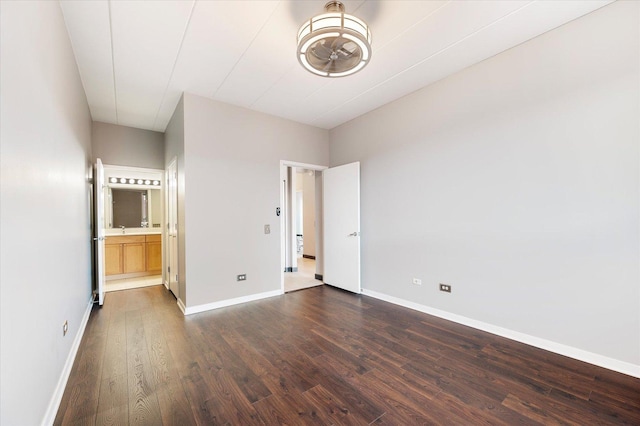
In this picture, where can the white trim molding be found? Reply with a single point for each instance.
(56, 398)
(182, 307)
(569, 351)
(230, 302)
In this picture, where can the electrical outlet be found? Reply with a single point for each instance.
(267, 229)
(445, 287)
(65, 328)
(242, 277)
(417, 281)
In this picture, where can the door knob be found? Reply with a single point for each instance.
(353, 234)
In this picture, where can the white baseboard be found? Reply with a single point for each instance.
(54, 403)
(575, 353)
(230, 302)
(181, 306)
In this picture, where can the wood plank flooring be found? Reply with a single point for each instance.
(322, 356)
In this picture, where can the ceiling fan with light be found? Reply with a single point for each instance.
(334, 44)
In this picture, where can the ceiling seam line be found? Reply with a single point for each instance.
(272, 86)
(428, 15)
(175, 62)
(444, 49)
(248, 47)
(359, 6)
(75, 58)
(113, 64)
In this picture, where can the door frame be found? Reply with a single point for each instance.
(284, 164)
(171, 213)
(99, 186)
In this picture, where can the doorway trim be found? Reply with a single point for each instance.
(284, 164)
(171, 265)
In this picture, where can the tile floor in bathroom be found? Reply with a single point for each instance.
(129, 283)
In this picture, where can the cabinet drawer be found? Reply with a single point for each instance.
(154, 238)
(124, 239)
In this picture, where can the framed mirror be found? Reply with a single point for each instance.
(132, 208)
(132, 199)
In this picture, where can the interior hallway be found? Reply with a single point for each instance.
(303, 278)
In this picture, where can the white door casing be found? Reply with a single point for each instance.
(341, 216)
(172, 227)
(100, 230)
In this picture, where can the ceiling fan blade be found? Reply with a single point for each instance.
(328, 65)
(320, 51)
(337, 43)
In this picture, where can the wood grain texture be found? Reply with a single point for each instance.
(322, 356)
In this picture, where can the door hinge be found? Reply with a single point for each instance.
(169, 269)
(176, 277)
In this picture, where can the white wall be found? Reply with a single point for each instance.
(45, 155)
(299, 213)
(232, 175)
(127, 146)
(309, 213)
(517, 182)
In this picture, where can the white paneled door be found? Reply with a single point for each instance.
(341, 215)
(99, 233)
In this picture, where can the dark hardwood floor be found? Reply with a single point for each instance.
(322, 356)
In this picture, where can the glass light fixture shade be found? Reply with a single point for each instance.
(134, 181)
(334, 44)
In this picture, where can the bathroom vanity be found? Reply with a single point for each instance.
(128, 256)
(132, 221)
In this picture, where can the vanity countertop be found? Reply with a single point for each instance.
(118, 232)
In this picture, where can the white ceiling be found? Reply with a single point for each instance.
(137, 57)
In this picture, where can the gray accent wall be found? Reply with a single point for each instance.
(232, 178)
(127, 146)
(516, 181)
(45, 245)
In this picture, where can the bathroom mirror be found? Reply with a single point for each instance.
(132, 208)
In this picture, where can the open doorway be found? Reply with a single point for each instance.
(301, 225)
(131, 216)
